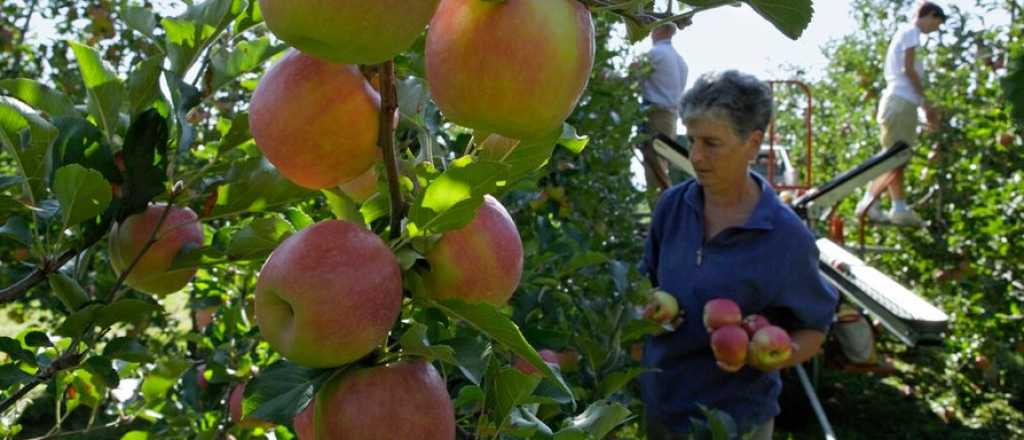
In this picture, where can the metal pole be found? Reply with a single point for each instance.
(813, 397)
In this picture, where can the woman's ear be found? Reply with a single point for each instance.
(754, 141)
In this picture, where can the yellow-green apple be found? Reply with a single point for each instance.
(512, 67)
(317, 122)
(771, 347)
(235, 409)
(729, 345)
(328, 295)
(666, 308)
(721, 312)
(753, 323)
(348, 31)
(362, 187)
(152, 274)
(480, 262)
(407, 400)
(304, 423)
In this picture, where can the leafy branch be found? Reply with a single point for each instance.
(389, 103)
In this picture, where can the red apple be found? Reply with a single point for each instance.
(316, 122)
(348, 31)
(328, 295)
(514, 67)
(201, 381)
(204, 316)
(20, 254)
(721, 312)
(753, 323)
(771, 346)
(304, 423)
(479, 263)
(152, 274)
(729, 344)
(235, 409)
(1005, 139)
(407, 400)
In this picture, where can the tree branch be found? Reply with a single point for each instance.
(389, 103)
(15, 290)
(69, 359)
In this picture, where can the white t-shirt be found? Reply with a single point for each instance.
(664, 87)
(898, 83)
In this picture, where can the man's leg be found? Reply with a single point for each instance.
(656, 168)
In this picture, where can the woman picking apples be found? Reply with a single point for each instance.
(726, 235)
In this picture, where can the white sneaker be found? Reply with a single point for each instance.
(874, 214)
(905, 217)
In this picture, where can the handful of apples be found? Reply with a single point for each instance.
(735, 338)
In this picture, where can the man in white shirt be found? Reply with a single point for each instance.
(662, 92)
(897, 111)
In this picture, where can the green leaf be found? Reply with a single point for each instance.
(145, 157)
(281, 391)
(83, 193)
(39, 96)
(614, 382)
(342, 206)
(16, 229)
(497, 326)
(525, 424)
(15, 351)
(572, 141)
(189, 33)
(1013, 87)
(79, 321)
(140, 19)
(506, 389)
(259, 238)
(414, 342)
(125, 310)
(80, 142)
(527, 157)
(255, 185)
(451, 201)
(161, 379)
(27, 138)
(472, 355)
(244, 57)
(127, 349)
(37, 338)
(144, 84)
(237, 133)
(11, 375)
(789, 16)
(596, 421)
(414, 100)
(101, 368)
(9, 181)
(136, 435)
(105, 91)
(68, 291)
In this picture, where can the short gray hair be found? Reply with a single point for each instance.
(745, 101)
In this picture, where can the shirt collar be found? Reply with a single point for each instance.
(665, 41)
(763, 213)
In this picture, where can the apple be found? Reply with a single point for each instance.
(316, 122)
(771, 346)
(361, 188)
(666, 307)
(729, 345)
(20, 254)
(201, 381)
(515, 67)
(348, 31)
(568, 360)
(526, 367)
(481, 262)
(1006, 139)
(753, 323)
(179, 231)
(407, 400)
(235, 409)
(305, 429)
(720, 312)
(204, 316)
(328, 295)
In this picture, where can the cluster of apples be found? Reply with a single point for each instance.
(735, 337)
(330, 294)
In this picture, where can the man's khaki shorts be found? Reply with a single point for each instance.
(898, 119)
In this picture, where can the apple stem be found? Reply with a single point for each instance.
(389, 103)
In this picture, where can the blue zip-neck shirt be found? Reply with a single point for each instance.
(768, 266)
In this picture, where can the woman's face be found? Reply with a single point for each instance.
(719, 155)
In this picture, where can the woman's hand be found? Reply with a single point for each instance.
(663, 309)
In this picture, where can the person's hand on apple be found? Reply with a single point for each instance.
(663, 309)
